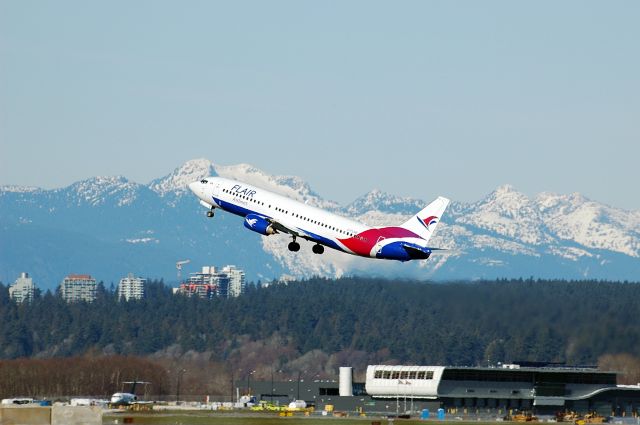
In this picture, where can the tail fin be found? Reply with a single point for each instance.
(425, 222)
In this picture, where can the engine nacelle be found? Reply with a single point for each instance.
(259, 224)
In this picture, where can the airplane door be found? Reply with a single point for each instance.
(216, 189)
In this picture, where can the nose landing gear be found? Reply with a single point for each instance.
(210, 212)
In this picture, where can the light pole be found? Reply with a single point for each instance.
(232, 385)
(180, 373)
(248, 384)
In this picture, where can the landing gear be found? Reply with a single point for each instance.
(318, 249)
(294, 246)
(210, 213)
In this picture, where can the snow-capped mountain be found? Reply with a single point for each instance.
(109, 226)
(291, 186)
(176, 183)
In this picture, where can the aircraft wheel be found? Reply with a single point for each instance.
(294, 246)
(318, 249)
(210, 213)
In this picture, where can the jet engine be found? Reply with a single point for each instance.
(259, 224)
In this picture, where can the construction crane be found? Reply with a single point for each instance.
(179, 265)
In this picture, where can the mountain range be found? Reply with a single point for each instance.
(110, 226)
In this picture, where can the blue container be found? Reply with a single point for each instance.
(424, 414)
(441, 414)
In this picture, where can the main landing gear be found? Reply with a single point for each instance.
(294, 246)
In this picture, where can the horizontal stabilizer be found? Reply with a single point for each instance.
(416, 253)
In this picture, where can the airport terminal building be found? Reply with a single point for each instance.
(543, 390)
(489, 391)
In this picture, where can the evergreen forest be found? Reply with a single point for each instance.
(365, 319)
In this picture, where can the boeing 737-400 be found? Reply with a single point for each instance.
(269, 213)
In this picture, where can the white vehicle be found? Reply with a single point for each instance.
(298, 404)
(18, 401)
(268, 213)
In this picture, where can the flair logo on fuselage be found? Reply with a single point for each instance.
(428, 222)
(242, 191)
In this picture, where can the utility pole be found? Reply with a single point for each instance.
(178, 384)
(248, 384)
(232, 385)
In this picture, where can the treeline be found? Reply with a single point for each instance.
(78, 376)
(457, 323)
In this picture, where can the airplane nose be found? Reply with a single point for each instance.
(193, 186)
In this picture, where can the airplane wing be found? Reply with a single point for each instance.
(286, 228)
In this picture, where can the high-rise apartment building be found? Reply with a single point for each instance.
(23, 289)
(131, 288)
(78, 287)
(236, 280)
(206, 284)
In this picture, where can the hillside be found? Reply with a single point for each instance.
(110, 226)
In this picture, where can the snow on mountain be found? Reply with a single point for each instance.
(98, 190)
(377, 200)
(576, 218)
(177, 182)
(305, 263)
(19, 189)
(508, 213)
(291, 186)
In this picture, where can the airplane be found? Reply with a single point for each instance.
(127, 399)
(269, 213)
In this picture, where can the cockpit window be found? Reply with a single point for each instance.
(203, 181)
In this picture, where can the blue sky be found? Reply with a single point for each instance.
(415, 98)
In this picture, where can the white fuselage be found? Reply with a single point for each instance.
(267, 213)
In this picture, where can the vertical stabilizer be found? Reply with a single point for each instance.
(425, 222)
